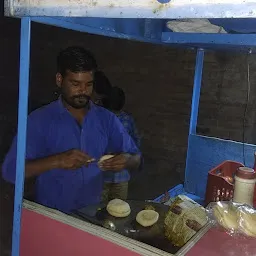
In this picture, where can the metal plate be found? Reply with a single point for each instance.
(128, 226)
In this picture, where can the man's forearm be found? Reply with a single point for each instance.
(134, 162)
(39, 166)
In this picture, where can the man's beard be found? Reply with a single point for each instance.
(78, 101)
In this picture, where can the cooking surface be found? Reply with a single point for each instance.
(154, 235)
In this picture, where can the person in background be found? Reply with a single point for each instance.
(116, 184)
(101, 88)
(66, 138)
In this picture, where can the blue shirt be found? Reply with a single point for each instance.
(51, 130)
(129, 125)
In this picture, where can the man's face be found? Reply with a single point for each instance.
(76, 88)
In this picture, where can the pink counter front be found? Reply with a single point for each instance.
(218, 243)
(41, 236)
(50, 233)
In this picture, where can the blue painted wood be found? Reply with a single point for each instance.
(22, 130)
(205, 153)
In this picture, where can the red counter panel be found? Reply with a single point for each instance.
(41, 236)
(218, 243)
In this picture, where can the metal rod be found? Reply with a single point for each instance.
(196, 91)
(22, 130)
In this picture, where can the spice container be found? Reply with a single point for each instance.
(245, 180)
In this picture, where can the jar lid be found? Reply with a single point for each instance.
(246, 173)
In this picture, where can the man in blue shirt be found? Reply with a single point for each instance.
(116, 183)
(66, 136)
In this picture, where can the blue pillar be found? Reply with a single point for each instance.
(196, 91)
(194, 107)
(22, 130)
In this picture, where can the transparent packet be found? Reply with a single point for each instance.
(235, 219)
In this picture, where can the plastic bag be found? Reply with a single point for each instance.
(235, 218)
(183, 220)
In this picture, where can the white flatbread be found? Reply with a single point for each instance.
(118, 208)
(147, 218)
(105, 157)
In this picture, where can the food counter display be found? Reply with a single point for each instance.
(61, 234)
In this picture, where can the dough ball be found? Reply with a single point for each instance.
(118, 208)
(147, 218)
(105, 157)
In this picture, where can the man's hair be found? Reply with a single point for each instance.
(101, 84)
(116, 99)
(76, 59)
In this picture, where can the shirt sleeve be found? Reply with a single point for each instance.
(134, 132)
(34, 149)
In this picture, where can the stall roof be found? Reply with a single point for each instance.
(116, 18)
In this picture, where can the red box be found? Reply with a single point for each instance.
(220, 183)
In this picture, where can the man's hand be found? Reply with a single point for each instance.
(73, 159)
(116, 163)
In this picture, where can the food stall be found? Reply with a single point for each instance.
(154, 22)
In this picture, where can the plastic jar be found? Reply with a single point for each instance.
(245, 180)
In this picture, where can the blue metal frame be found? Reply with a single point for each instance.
(196, 91)
(211, 41)
(22, 131)
(195, 99)
(92, 30)
(243, 42)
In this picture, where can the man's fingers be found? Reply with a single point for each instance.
(112, 168)
(83, 157)
(114, 160)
